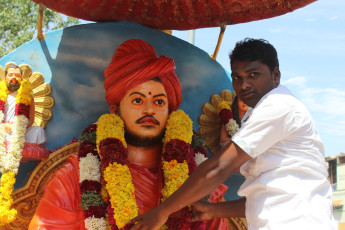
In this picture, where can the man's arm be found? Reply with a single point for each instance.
(202, 182)
(32, 112)
(203, 210)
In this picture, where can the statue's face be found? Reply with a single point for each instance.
(144, 110)
(13, 79)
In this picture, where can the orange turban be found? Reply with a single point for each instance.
(135, 62)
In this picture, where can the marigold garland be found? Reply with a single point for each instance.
(110, 126)
(175, 174)
(7, 214)
(122, 200)
(179, 127)
(119, 203)
(10, 160)
(176, 171)
(224, 105)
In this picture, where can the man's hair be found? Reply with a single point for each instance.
(13, 66)
(252, 50)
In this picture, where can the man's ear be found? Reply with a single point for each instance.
(276, 76)
(114, 109)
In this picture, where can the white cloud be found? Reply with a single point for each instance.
(327, 105)
(296, 81)
(334, 18)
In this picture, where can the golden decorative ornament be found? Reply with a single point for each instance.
(209, 120)
(40, 93)
(27, 198)
(2, 73)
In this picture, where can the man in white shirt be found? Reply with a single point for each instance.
(277, 149)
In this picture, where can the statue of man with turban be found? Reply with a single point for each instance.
(131, 159)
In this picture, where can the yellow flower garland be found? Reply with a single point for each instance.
(116, 175)
(122, 200)
(24, 93)
(3, 91)
(7, 214)
(224, 105)
(110, 126)
(179, 127)
(10, 160)
(175, 175)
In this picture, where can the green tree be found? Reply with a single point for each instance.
(19, 20)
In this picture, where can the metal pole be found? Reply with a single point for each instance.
(191, 36)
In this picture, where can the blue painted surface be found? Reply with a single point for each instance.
(73, 60)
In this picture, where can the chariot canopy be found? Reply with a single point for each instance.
(175, 14)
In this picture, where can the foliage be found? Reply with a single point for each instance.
(19, 20)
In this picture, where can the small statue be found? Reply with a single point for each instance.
(18, 137)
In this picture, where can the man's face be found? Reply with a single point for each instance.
(144, 110)
(252, 80)
(13, 79)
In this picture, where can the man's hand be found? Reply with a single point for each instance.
(201, 211)
(151, 220)
(224, 136)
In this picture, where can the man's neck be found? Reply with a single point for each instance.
(148, 157)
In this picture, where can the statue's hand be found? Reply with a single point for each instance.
(151, 220)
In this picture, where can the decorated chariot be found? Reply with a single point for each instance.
(65, 68)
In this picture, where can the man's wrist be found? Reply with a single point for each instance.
(165, 210)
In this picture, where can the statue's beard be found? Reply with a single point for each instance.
(138, 141)
(13, 85)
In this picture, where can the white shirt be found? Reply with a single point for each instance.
(286, 182)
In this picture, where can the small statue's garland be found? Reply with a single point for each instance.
(10, 160)
(105, 166)
(227, 118)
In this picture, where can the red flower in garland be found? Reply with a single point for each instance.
(192, 165)
(90, 185)
(200, 149)
(87, 147)
(112, 150)
(111, 219)
(96, 211)
(180, 219)
(177, 150)
(226, 115)
(22, 109)
(2, 105)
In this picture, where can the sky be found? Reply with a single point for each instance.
(311, 49)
